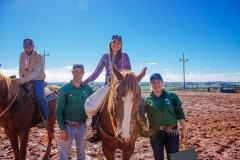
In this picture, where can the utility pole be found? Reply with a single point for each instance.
(183, 60)
(44, 55)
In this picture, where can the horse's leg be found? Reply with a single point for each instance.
(14, 142)
(127, 153)
(50, 132)
(108, 152)
(24, 135)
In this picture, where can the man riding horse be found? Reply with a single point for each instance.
(31, 69)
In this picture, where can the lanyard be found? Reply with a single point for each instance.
(27, 60)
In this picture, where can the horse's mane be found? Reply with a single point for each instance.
(11, 86)
(130, 84)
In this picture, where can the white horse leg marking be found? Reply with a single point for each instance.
(128, 104)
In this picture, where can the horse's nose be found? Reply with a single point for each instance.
(124, 139)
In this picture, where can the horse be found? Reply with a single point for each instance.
(18, 115)
(117, 122)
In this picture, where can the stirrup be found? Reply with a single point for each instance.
(42, 124)
(93, 139)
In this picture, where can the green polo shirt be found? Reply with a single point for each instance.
(70, 103)
(164, 110)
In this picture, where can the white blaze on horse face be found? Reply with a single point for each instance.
(127, 105)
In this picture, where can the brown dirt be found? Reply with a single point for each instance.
(213, 129)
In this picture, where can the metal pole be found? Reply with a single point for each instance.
(44, 55)
(183, 60)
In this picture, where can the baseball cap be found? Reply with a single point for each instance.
(155, 76)
(28, 42)
(75, 66)
(116, 37)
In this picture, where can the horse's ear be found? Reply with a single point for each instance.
(116, 72)
(141, 74)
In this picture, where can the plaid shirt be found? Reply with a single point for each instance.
(123, 64)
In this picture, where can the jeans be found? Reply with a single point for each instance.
(162, 139)
(38, 87)
(79, 134)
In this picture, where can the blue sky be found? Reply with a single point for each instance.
(155, 34)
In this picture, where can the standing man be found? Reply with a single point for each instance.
(31, 70)
(71, 114)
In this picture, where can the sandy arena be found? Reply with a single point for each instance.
(213, 122)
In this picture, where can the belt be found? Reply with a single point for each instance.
(76, 124)
(165, 127)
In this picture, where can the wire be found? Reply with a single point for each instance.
(98, 59)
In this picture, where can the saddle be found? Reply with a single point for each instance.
(50, 93)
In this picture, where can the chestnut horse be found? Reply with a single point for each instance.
(117, 123)
(18, 115)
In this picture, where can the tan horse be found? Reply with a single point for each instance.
(118, 118)
(18, 115)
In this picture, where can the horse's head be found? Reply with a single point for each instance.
(125, 95)
(8, 89)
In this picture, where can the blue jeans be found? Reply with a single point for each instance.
(38, 87)
(79, 134)
(162, 139)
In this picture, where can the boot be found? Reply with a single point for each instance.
(42, 124)
(143, 130)
(94, 138)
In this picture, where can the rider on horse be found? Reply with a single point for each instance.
(31, 69)
(122, 62)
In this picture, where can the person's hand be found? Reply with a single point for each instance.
(184, 133)
(18, 82)
(64, 135)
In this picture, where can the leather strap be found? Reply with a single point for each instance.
(164, 127)
(76, 124)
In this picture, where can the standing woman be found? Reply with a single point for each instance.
(164, 110)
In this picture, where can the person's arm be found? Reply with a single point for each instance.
(178, 107)
(64, 135)
(97, 71)
(20, 69)
(184, 129)
(180, 115)
(128, 64)
(61, 109)
(38, 65)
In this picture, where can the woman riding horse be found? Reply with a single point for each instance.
(117, 122)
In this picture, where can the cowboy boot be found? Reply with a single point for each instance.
(94, 137)
(43, 123)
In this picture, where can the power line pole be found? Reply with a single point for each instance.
(183, 60)
(44, 55)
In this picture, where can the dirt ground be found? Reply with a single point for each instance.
(213, 124)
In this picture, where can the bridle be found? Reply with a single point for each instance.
(113, 115)
(10, 103)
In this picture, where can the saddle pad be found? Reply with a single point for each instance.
(49, 94)
(94, 102)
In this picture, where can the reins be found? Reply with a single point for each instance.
(111, 116)
(10, 103)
